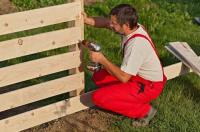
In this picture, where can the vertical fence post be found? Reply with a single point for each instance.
(78, 22)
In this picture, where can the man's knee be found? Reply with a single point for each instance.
(101, 96)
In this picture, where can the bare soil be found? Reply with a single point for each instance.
(90, 120)
(6, 7)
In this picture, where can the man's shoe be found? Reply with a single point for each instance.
(197, 19)
(146, 120)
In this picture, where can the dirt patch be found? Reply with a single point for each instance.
(6, 7)
(90, 120)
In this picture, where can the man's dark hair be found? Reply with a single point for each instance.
(125, 13)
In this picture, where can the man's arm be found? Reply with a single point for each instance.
(110, 67)
(99, 22)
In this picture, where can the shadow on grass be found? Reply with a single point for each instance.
(89, 84)
(196, 48)
(190, 89)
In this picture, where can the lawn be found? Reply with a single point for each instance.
(166, 21)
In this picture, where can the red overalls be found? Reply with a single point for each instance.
(131, 99)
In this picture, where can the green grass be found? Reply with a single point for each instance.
(166, 21)
(32, 4)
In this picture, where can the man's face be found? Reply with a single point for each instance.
(115, 25)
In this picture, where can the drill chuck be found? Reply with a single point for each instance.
(94, 47)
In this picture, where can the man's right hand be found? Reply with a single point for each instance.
(88, 20)
(99, 22)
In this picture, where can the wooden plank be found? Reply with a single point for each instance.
(76, 70)
(184, 53)
(33, 93)
(78, 22)
(46, 114)
(20, 21)
(38, 43)
(37, 68)
(176, 70)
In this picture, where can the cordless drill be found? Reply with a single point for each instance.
(93, 66)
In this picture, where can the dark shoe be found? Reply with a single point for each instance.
(146, 120)
(197, 19)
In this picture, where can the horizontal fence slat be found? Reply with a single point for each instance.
(34, 93)
(175, 70)
(37, 68)
(46, 114)
(21, 21)
(38, 43)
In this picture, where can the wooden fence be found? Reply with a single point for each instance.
(11, 99)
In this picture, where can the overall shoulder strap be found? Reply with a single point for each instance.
(142, 36)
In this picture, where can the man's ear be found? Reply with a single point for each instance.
(126, 26)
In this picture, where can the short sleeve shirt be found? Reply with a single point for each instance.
(140, 57)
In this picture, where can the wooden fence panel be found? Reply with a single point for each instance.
(10, 49)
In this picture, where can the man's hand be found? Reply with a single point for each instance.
(88, 20)
(110, 67)
(84, 15)
(99, 22)
(97, 57)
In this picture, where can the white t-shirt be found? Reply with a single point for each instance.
(140, 57)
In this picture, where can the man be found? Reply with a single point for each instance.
(129, 89)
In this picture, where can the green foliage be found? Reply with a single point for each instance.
(32, 4)
(165, 20)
